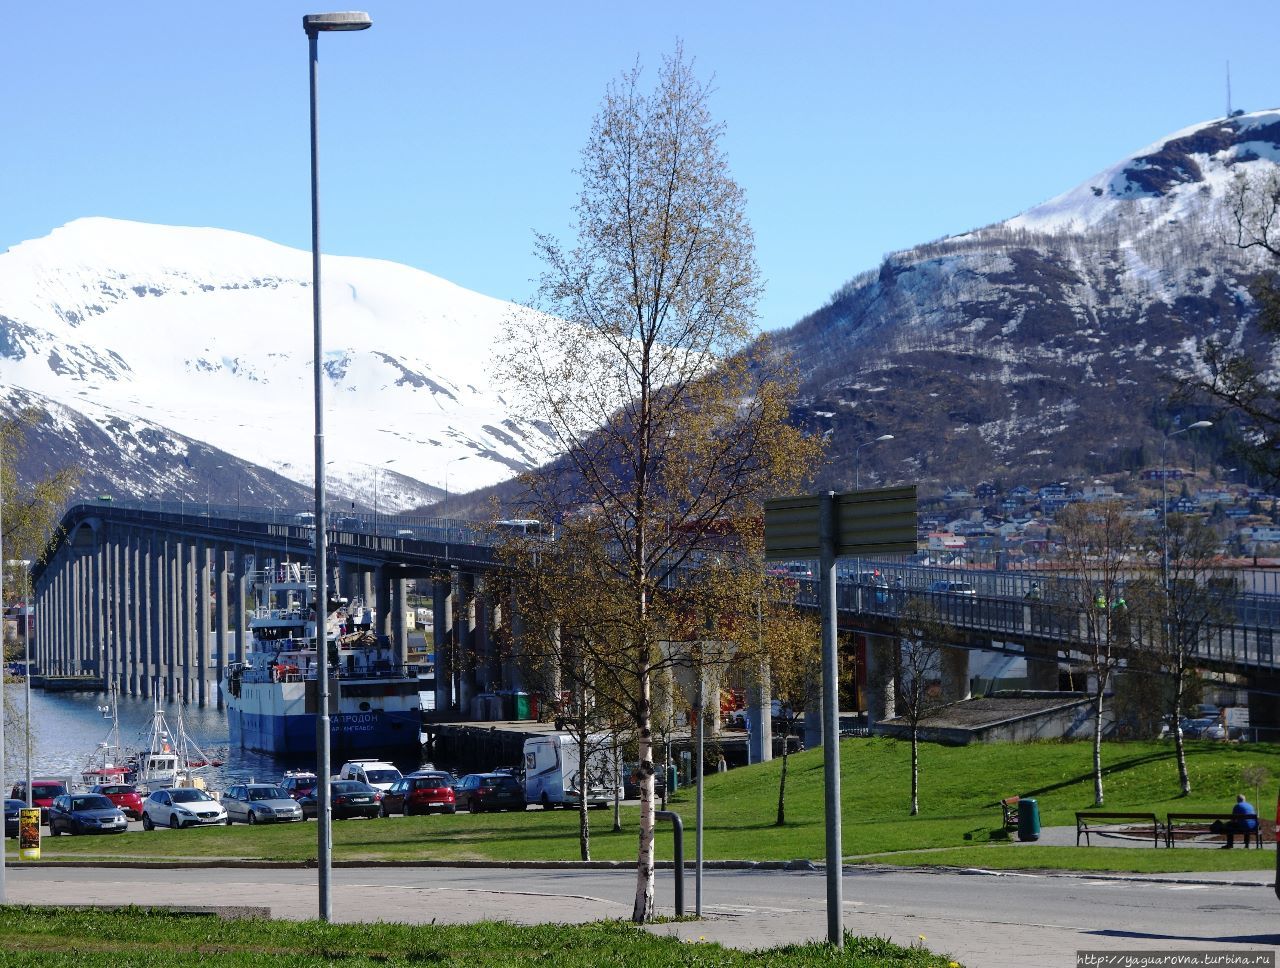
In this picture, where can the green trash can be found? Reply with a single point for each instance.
(522, 706)
(1028, 819)
(673, 781)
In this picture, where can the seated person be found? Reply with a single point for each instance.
(1243, 809)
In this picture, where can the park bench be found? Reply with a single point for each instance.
(1189, 825)
(1109, 824)
(1009, 813)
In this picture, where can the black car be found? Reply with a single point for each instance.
(478, 792)
(350, 798)
(11, 808)
(85, 813)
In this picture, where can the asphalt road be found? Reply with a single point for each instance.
(981, 919)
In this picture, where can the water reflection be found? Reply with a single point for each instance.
(67, 729)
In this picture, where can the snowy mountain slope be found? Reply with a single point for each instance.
(204, 335)
(1050, 345)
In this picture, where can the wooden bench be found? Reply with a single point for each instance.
(1200, 824)
(1009, 813)
(1108, 824)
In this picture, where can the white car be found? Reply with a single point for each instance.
(181, 807)
(376, 773)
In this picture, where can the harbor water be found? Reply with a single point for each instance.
(67, 729)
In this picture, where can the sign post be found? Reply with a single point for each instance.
(826, 526)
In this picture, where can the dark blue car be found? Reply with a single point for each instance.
(85, 813)
(11, 808)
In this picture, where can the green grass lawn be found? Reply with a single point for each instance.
(99, 939)
(958, 819)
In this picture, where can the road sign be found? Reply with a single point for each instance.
(874, 522)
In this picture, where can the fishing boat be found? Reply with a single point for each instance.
(169, 757)
(108, 763)
(273, 695)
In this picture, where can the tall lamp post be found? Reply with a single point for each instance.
(857, 458)
(1164, 499)
(314, 24)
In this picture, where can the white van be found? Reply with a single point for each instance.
(551, 771)
(377, 774)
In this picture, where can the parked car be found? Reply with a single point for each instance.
(376, 773)
(349, 798)
(478, 792)
(181, 807)
(85, 813)
(421, 792)
(123, 795)
(43, 793)
(11, 808)
(298, 783)
(953, 588)
(253, 803)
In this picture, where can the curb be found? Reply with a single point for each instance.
(788, 866)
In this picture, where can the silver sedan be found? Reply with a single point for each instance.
(254, 803)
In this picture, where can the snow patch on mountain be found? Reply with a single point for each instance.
(206, 334)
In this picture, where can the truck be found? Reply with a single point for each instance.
(551, 771)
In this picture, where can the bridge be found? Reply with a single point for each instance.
(117, 597)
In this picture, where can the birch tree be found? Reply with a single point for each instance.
(922, 634)
(1096, 542)
(639, 357)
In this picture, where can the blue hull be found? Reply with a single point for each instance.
(349, 733)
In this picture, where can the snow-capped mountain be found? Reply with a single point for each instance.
(1050, 345)
(168, 361)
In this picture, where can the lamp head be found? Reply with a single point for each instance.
(314, 23)
(884, 437)
(1200, 425)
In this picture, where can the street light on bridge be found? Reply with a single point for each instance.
(857, 458)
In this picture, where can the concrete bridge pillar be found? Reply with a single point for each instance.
(239, 601)
(135, 610)
(442, 639)
(881, 684)
(955, 673)
(813, 716)
(170, 641)
(198, 621)
(223, 563)
(466, 655)
(366, 588)
(382, 597)
(147, 614)
(97, 592)
(400, 619)
(1042, 672)
(760, 715)
(513, 667)
(486, 679)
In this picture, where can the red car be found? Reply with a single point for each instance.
(44, 791)
(424, 792)
(123, 795)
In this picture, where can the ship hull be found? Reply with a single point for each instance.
(271, 719)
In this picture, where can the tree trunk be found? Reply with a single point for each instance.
(642, 911)
(617, 778)
(915, 770)
(1179, 746)
(584, 823)
(782, 788)
(1097, 743)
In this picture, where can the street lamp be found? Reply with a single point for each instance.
(857, 458)
(1164, 497)
(314, 24)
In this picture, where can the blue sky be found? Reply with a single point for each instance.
(450, 131)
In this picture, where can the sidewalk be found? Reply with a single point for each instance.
(1066, 837)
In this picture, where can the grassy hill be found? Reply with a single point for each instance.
(959, 822)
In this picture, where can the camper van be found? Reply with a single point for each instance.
(551, 771)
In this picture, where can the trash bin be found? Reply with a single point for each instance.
(1028, 819)
(672, 781)
(522, 705)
